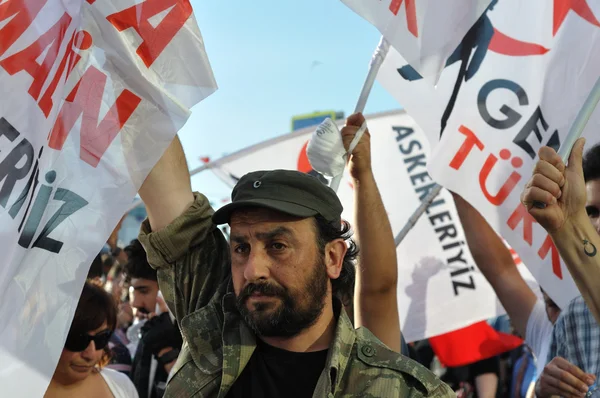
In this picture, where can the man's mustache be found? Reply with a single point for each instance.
(265, 289)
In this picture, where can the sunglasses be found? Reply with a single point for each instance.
(77, 342)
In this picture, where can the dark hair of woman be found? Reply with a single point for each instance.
(95, 306)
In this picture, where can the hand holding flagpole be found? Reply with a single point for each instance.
(316, 154)
(378, 57)
(580, 122)
(577, 128)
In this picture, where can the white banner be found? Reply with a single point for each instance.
(91, 94)
(531, 67)
(425, 32)
(439, 287)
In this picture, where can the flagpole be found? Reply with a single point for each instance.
(580, 122)
(378, 57)
(412, 221)
(376, 61)
(577, 128)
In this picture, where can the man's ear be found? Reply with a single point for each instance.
(334, 257)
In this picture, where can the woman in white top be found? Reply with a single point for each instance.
(80, 372)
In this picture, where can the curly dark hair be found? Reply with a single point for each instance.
(591, 164)
(137, 264)
(343, 286)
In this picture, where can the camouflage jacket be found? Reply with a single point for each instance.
(192, 259)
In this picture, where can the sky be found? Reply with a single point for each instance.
(272, 60)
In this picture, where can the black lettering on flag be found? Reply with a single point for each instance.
(458, 258)
(440, 217)
(16, 166)
(512, 116)
(37, 211)
(10, 172)
(435, 203)
(424, 190)
(415, 161)
(441, 221)
(73, 203)
(18, 204)
(458, 284)
(406, 148)
(532, 126)
(447, 231)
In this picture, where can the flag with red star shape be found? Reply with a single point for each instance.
(580, 7)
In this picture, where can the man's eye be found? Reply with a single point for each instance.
(278, 246)
(593, 212)
(241, 249)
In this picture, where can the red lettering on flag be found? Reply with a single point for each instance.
(411, 14)
(547, 246)
(85, 99)
(521, 214)
(471, 140)
(506, 189)
(81, 40)
(26, 59)
(22, 12)
(154, 40)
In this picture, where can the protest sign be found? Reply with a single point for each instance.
(91, 94)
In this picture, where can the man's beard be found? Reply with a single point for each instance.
(288, 319)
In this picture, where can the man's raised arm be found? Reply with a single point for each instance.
(189, 253)
(167, 191)
(375, 301)
(497, 265)
(562, 190)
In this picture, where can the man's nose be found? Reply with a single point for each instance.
(137, 301)
(257, 267)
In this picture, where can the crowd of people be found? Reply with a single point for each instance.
(297, 303)
(123, 341)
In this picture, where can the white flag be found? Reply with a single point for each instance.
(425, 32)
(439, 290)
(91, 94)
(527, 72)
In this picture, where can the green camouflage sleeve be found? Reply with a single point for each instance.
(191, 257)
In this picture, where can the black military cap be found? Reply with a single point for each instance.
(290, 192)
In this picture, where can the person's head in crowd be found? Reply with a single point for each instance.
(291, 253)
(552, 309)
(108, 262)
(115, 281)
(86, 348)
(591, 173)
(142, 280)
(115, 285)
(95, 273)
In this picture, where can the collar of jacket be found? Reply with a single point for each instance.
(239, 343)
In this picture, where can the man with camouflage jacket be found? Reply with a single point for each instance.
(263, 316)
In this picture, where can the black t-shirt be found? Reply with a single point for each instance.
(274, 373)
